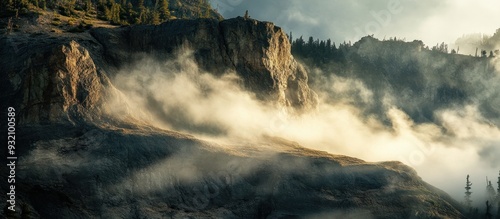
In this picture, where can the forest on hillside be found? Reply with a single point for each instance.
(326, 51)
(118, 12)
(423, 80)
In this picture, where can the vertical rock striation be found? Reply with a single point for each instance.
(61, 85)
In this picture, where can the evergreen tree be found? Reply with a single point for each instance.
(483, 53)
(498, 188)
(88, 6)
(164, 11)
(498, 197)
(131, 14)
(143, 15)
(468, 193)
(115, 13)
(206, 14)
(246, 16)
(140, 4)
(107, 13)
(197, 12)
(490, 191)
(488, 214)
(155, 18)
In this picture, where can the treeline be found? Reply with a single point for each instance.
(120, 12)
(491, 204)
(324, 51)
(320, 51)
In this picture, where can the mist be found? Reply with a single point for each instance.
(178, 95)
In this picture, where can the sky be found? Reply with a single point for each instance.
(341, 20)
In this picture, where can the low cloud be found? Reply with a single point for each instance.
(177, 95)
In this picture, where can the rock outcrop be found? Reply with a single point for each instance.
(61, 85)
(63, 78)
(259, 52)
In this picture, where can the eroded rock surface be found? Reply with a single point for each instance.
(59, 85)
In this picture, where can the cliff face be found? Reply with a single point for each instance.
(259, 52)
(60, 86)
(63, 79)
(265, 60)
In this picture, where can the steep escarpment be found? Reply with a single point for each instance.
(62, 78)
(259, 52)
(265, 60)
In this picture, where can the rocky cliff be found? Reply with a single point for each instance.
(66, 74)
(60, 86)
(259, 52)
(76, 162)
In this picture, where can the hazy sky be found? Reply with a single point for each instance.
(342, 20)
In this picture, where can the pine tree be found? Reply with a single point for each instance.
(130, 13)
(155, 18)
(140, 4)
(246, 16)
(488, 214)
(490, 191)
(468, 201)
(108, 13)
(143, 15)
(498, 197)
(115, 13)
(88, 6)
(207, 11)
(498, 188)
(164, 11)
